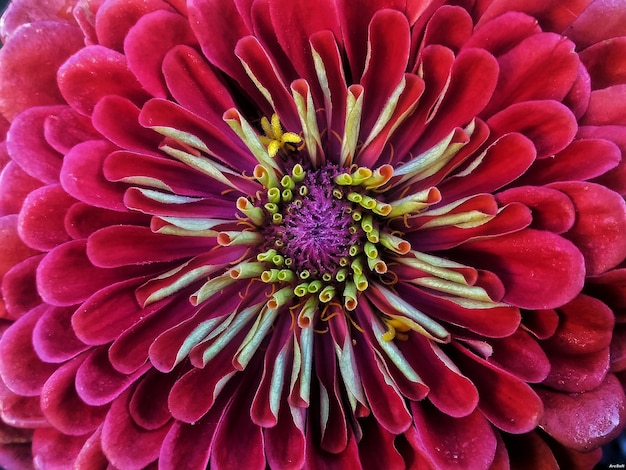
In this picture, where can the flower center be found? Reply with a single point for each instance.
(317, 228)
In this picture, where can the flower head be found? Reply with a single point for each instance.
(312, 234)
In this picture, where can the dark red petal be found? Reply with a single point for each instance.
(447, 442)
(62, 406)
(83, 219)
(125, 444)
(346, 459)
(53, 449)
(54, 339)
(550, 69)
(19, 288)
(501, 33)
(450, 391)
(539, 269)
(145, 56)
(12, 249)
(585, 326)
(22, 370)
(95, 72)
(600, 225)
(506, 401)
(530, 451)
(122, 245)
(91, 454)
(20, 411)
(29, 63)
(550, 125)
(22, 12)
(577, 372)
(377, 448)
(285, 442)
(98, 383)
(81, 176)
(42, 218)
(450, 26)
(521, 355)
(597, 57)
(28, 148)
(148, 404)
(551, 209)
(583, 421)
(189, 445)
(541, 323)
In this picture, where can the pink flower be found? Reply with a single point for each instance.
(331, 234)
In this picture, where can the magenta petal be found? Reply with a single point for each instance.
(606, 107)
(585, 420)
(19, 288)
(21, 411)
(238, 441)
(148, 404)
(95, 72)
(54, 338)
(600, 225)
(189, 445)
(539, 269)
(98, 383)
(62, 406)
(597, 56)
(15, 185)
(452, 442)
(521, 355)
(603, 19)
(91, 454)
(53, 449)
(21, 369)
(24, 83)
(66, 128)
(42, 219)
(125, 444)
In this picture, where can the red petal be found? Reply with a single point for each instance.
(27, 146)
(285, 442)
(600, 225)
(552, 210)
(29, 63)
(62, 406)
(597, 57)
(189, 445)
(522, 356)
(577, 373)
(117, 119)
(15, 185)
(66, 128)
(603, 19)
(539, 270)
(583, 421)
(95, 72)
(377, 448)
(499, 34)
(548, 124)
(12, 249)
(530, 451)
(550, 69)
(346, 459)
(42, 219)
(450, 26)
(453, 442)
(606, 107)
(145, 56)
(20, 411)
(81, 176)
(148, 405)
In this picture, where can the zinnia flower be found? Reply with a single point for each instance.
(331, 234)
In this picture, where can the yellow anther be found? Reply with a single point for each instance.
(368, 202)
(360, 174)
(271, 207)
(303, 191)
(247, 270)
(395, 244)
(395, 328)
(357, 266)
(354, 250)
(360, 281)
(309, 309)
(286, 275)
(367, 223)
(377, 265)
(277, 218)
(370, 250)
(341, 275)
(349, 296)
(315, 286)
(255, 214)
(305, 274)
(355, 197)
(271, 275)
(275, 139)
(357, 215)
(266, 176)
(373, 235)
(301, 289)
(280, 298)
(382, 208)
(327, 277)
(287, 195)
(278, 260)
(337, 194)
(379, 177)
